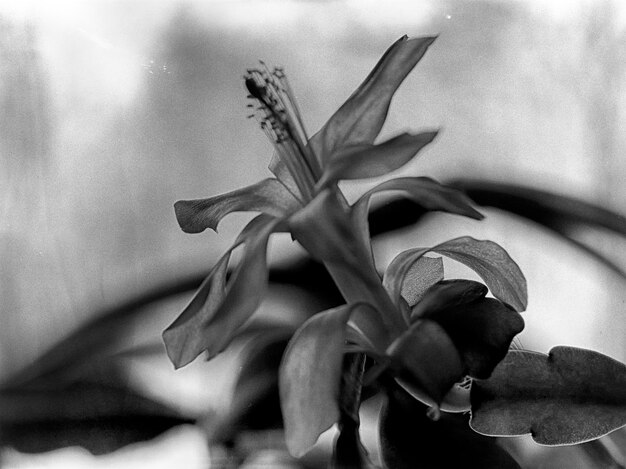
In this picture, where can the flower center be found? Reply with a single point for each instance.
(277, 112)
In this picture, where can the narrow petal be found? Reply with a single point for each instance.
(360, 118)
(360, 161)
(310, 377)
(482, 332)
(222, 305)
(268, 196)
(489, 260)
(570, 396)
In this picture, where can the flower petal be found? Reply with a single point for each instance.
(359, 161)
(222, 305)
(267, 196)
(482, 332)
(426, 358)
(570, 396)
(413, 274)
(489, 260)
(310, 377)
(361, 117)
(425, 191)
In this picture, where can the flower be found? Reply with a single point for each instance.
(306, 172)
(428, 338)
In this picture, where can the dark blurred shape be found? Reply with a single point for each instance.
(410, 439)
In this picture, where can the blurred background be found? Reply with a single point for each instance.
(113, 110)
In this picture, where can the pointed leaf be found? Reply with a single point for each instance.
(425, 357)
(220, 307)
(268, 196)
(362, 161)
(489, 260)
(446, 294)
(482, 332)
(310, 377)
(570, 396)
(361, 117)
(410, 439)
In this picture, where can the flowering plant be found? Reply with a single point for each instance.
(443, 342)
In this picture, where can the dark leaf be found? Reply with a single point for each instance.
(446, 294)
(268, 196)
(426, 358)
(409, 439)
(220, 307)
(570, 396)
(482, 332)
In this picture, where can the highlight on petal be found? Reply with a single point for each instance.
(569, 396)
(360, 161)
(482, 332)
(310, 377)
(360, 118)
(425, 358)
(489, 260)
(222, 305)
(268, 196)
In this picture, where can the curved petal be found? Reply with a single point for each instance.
(489, 260)
(310, 377)
(268, 196)
(410, 268)
(360, 161)
(425, 191)
(222, 305)
(482, 332)
(361, 117)
(570, 396)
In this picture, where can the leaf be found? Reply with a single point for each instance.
(409, 439)
(446, 294)
(425, 357)
(570, 396)
(310, 377)
(482, 332)
(362, 161)
(494, 265)
(361, 117)
(221, 306)
(268, 196)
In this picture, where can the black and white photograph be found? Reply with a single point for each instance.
(310, 234)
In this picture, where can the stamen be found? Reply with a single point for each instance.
(279, 117)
